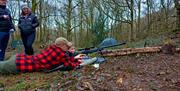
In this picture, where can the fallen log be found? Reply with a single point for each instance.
(128, 51)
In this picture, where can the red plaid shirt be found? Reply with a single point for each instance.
(49, 58)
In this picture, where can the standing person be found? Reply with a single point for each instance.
(6, 26)
(27, 25)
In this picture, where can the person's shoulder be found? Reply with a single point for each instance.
(32, 15)
(52, 46)
(21, 16)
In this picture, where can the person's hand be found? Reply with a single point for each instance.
(11, 31)
(6, 17)
(80, 56)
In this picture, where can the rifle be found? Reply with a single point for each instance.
(107, 43)
(99, 48)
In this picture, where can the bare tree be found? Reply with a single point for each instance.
(177, 6)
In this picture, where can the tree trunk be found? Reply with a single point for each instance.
(69, 18)
(131, 8)
(40, 20)
(177, 6)
(148, 15)
(33, 6)
(81, 7)
(129, 51)
(139, 16)
(178, 18)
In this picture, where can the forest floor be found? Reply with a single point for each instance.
(137, 72)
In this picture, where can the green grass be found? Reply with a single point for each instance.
(30, 81)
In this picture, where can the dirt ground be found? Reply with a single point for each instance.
(137, 72)
(140, 72)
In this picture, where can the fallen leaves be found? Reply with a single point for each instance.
(142, 72)
(88, 85)
(119, 81)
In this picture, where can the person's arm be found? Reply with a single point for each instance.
(1, 17)
(8, 16)
(80, 56)
(72, 61)
(19, 24)
(12, 25)
(35, 22)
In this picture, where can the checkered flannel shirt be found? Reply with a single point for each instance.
(49, 58)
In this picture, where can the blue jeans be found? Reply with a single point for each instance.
(4, 38)
(28, 40)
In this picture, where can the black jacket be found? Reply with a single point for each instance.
(5, 24)
(28, 24)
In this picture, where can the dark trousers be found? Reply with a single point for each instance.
(4, 38)
(28, 40)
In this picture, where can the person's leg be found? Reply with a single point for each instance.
(8, 66)
(4, 38)
(24, 39)
(30, 41)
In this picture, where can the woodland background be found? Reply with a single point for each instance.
(88, 22)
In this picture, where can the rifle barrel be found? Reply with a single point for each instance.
(88, 48)
(89, 51)
(95, 49)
